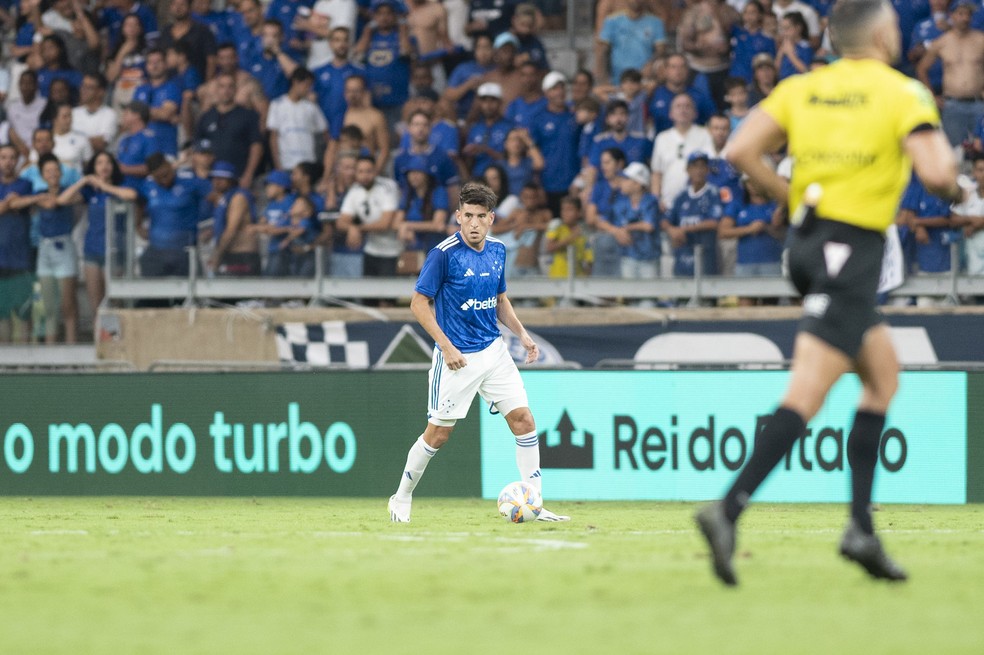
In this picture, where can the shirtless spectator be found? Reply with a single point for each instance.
(367, 118)
(506, 73)
(428, 23)
(249, 93)
(704, 36)
(961, 50)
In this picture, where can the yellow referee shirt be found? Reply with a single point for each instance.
(845, 124)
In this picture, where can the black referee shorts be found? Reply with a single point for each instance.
(836, 267)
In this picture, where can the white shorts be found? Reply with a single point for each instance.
(57, 257)
(492, 373)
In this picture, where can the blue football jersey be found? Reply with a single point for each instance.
(465, 285)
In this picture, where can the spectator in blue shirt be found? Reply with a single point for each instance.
(16, 265)
(438, 163)
(486, 140)
(271, 65)
(172, 203)
(748, 40)
(421, 222)
(137, 143)
(924, 33)
(523, 111)
(628, 40)
(931, 228)
(693, 220)
(677, 82)
(386, 46)
(469, 75)
(523, 26)
(55, 66)
(103, 181)
(163, 97)
(58, 265)
(275, 222)
(634, 223)
(284, 11)
(116, 11)
(605, 191)
(750, 220)
(556, 133)
(795, 54)
(635, 146)
(329, 81)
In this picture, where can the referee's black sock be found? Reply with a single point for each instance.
(776, 439)
(862, 455)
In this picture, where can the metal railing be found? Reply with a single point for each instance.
(127, 287)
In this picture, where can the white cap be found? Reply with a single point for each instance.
(637, 172)
(552, 79)
(489, 90)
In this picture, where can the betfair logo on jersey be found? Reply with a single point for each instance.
(476, 304)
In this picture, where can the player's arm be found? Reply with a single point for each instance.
(933, 161)
(758, 136)
(507, 316)
(423, 310)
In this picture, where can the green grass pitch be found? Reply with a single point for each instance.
(208, 575)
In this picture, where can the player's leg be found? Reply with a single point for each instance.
(816, 367)
(449, 395)
(877, 366)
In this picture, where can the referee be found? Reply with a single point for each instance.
(855, 129)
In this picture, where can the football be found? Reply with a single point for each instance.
(520, 502)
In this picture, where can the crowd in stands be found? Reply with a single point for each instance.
(265, 133)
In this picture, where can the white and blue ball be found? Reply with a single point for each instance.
(520, 502)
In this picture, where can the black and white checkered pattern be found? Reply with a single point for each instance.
(320, 344)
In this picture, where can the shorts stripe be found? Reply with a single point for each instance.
(436, 383)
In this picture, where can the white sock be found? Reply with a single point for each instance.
(528, 459)
(417, 459)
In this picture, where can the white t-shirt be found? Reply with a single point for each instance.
(369, 205)
(973, 206)
(103, 122)
(73, 149)
(670, 152)
(24, 118)
(296, 124)
(341, 13)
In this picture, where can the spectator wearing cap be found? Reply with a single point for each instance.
(556, 133)
(486, 139)
(275, 222)
(524, 26)
(678, 81)
(387, 50)
(673, 146)
(628, 40)
(439, 164)
(92, 117)
(236, 248)
(163, 97)
(366, 219)
(469, 75)
(422, 220)
(233, 130)
(634, 223)
(961, 49)
(748, 40)
(506, 74)
(636, 146)
(172, 202)
(295, 123)
(764, 78)
(522, 111)
(137, 143)
(693, 220)
(489, 16)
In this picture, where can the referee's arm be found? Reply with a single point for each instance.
(933, 161)
(758, 136)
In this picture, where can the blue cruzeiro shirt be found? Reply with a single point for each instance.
(465, 285)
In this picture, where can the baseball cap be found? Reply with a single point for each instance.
(280, 178)
(396, 5)
(489, 90)
(552, 79)
(504, 39)
(698, 155)
(637, 172)
(203, 145)
(223, 169)
(763, 59)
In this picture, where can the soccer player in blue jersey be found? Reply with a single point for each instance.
(459, 299)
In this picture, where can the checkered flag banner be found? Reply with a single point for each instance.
(320, 344)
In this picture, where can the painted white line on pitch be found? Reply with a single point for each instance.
(546, 544)
(59, 532)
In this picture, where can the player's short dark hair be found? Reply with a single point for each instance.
(476, 193)
(850, 22)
